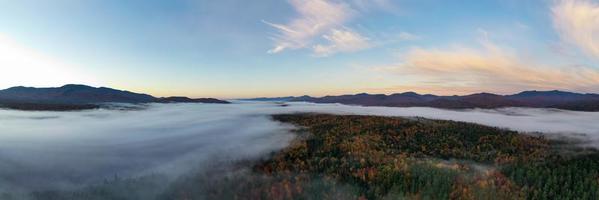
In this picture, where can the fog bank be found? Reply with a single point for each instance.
(57, 150)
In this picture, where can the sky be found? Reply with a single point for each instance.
(268, 48)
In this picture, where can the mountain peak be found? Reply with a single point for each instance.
(77, 87)
(17, 88)
(78, 94)
(483, 94)
(545, 93)
(408, 94)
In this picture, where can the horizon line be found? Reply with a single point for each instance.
(314, 96)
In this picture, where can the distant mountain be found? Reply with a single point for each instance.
(190, 100)
(554, 97)
(75, 97)
(535, 99)
(72, 94)
(270, 99)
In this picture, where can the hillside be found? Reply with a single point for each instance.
(533, 99)
(78, 97)
(365, 157)
(189, 100)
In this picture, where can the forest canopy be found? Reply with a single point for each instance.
(368, 157)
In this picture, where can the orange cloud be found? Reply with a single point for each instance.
(577, 22)
(489, 69)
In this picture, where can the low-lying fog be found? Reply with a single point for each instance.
(58, 150)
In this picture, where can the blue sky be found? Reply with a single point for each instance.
(234, 48)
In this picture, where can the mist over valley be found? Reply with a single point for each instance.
(43, 150)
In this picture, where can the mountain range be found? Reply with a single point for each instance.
(535, 99)
(75, 97)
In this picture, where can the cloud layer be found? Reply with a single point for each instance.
(320, 27)
(65, 150)
(489, 67)
(577, 22)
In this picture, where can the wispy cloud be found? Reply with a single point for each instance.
(577, 22)
(489, 68)
(344, 40)
(408, 36)
(320, 26)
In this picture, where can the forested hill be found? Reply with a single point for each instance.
(75, 97)
(366, 157)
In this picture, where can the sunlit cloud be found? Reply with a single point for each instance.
(341, 41)
(577, 22)
(320, 27)
(489, 68)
